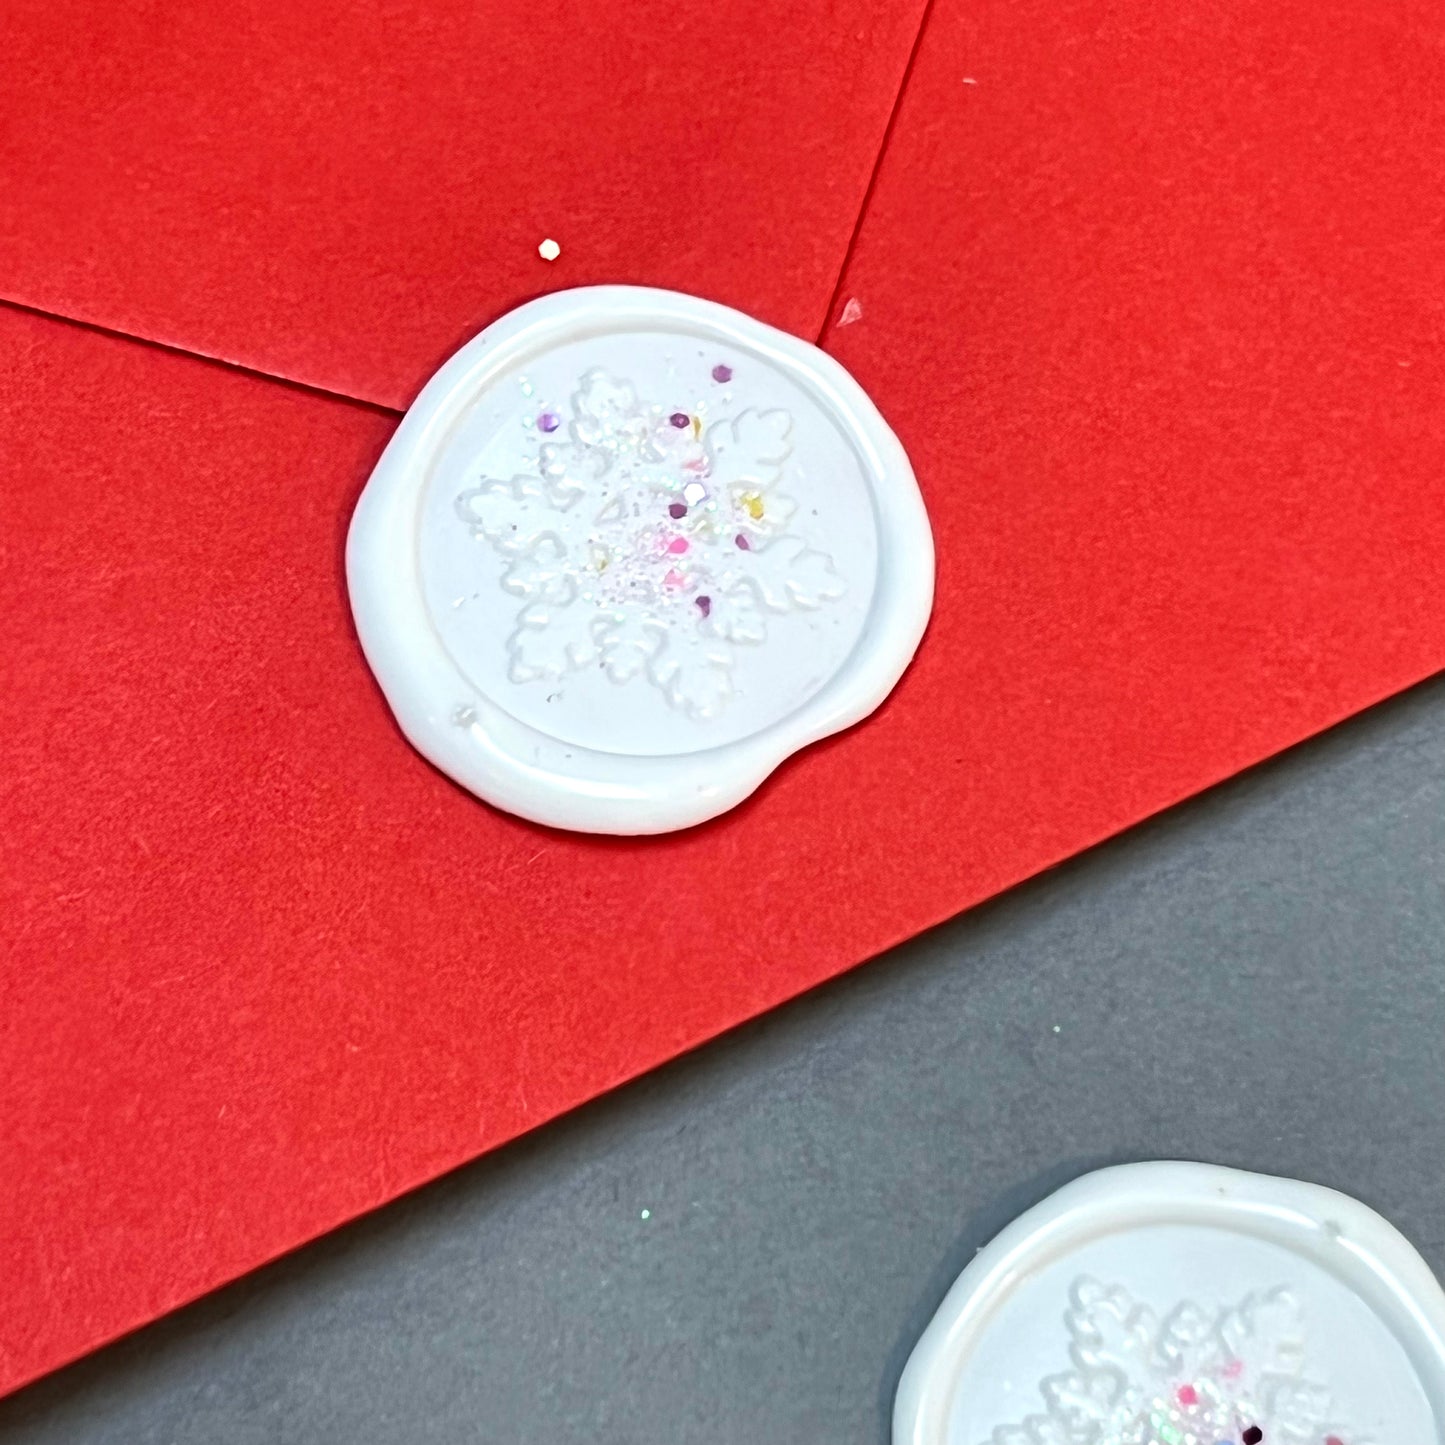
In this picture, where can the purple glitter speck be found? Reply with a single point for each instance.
(549, 421)
(704, 605)
(722, 373)
(677, 511)
(680, 419)
(742, 542)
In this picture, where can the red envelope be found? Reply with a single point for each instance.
(343, 191)
(1153, 295)
(1153, 300)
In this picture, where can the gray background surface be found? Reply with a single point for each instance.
(1256, 979)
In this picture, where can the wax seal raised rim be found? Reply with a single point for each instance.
(517, 767)
(1333, 1231)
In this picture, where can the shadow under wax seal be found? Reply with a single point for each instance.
(628, 551)
(1184, 1304)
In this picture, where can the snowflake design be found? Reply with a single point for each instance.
(648, 545)
(1195, 1377)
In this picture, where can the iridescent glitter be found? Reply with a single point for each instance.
(722, 372)
(623, 544)
(549, 421)
(679, 419)
(1192, 1377)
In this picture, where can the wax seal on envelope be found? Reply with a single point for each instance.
(628, 551)
(1182, 1304)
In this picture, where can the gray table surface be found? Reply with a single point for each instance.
(745, 1246)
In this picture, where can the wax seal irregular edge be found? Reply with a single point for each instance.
(526, 772)
(1334, 1231)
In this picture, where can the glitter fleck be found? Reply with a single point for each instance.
(549, 421)
(464, 716)
(722, 372)
(1252, 1435)
(674, 578)
(753, 505)
(693, 493)
(1163, 1430)
(549, 250)
(852, 311)
(677, 511)
(679, 419)
(704, 605)
(742, 542)
(647, 1214)
(1187, 1394)
(677, 546)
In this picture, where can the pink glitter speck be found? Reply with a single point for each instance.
(722, 373)
(1234, 1369)
(677, 511)
(549, 421)
(1188, 1395)
(677, 546)
(742, 542)
(674, 578)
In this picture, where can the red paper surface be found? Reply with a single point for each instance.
(1155, 304)
(343, 191)
(1155, 297)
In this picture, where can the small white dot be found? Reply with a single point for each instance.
(549, 250)
(647, 1214)
(1056, 1028)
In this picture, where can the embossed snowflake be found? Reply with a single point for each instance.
(1197, 1377)
(648, 544)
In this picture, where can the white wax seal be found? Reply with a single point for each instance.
(1182, 1304)
(628, 551)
